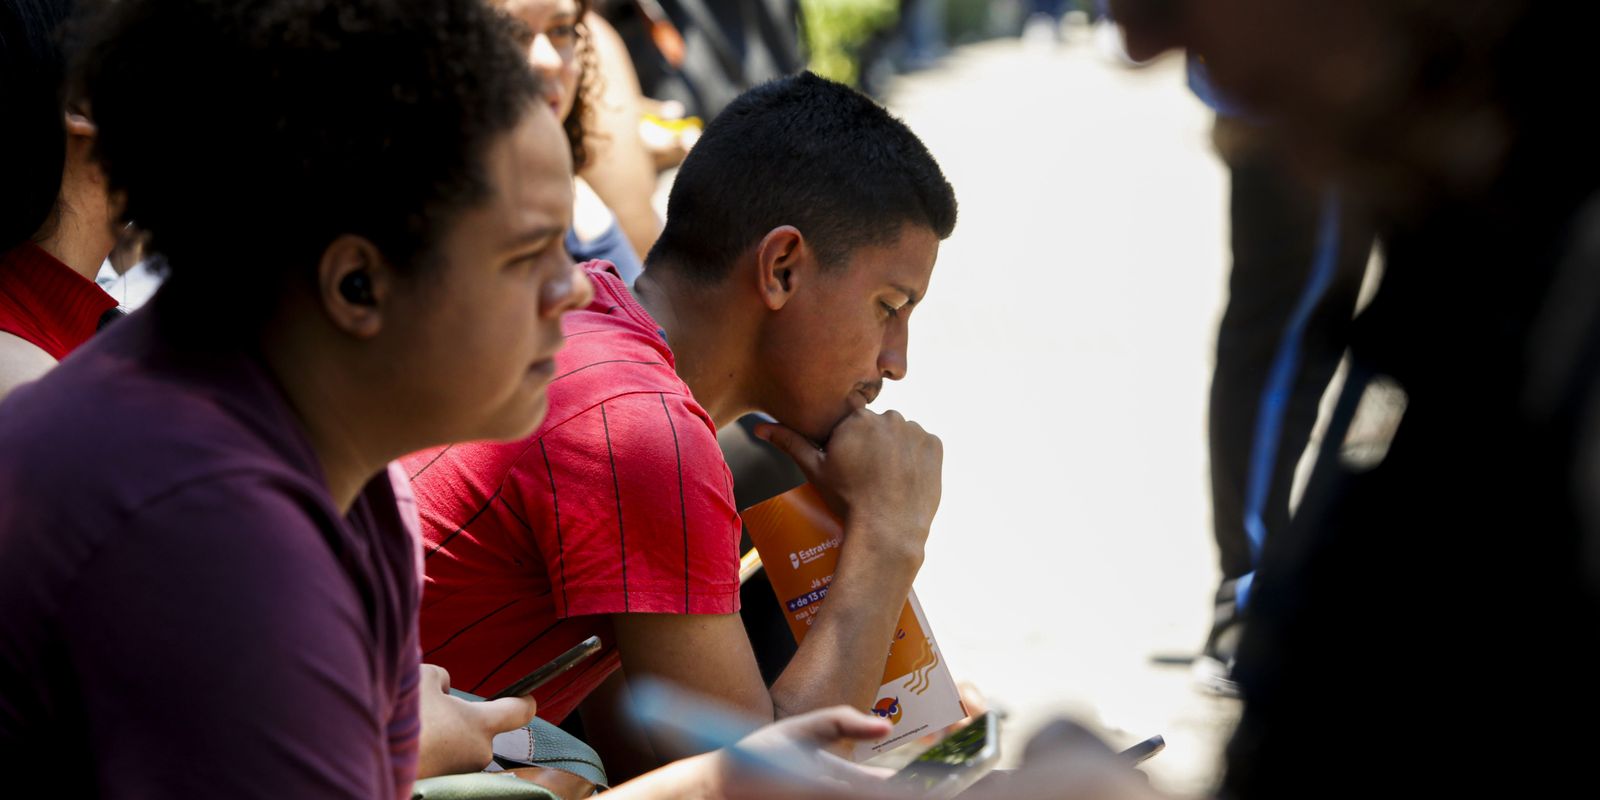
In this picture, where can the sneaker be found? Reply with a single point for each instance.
(1214, 676)
(1212, 670)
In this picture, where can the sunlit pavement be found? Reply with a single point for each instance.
(1063, 355)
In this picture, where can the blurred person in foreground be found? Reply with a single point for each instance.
(1423, 625)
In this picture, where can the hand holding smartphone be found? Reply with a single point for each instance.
(539, 677)
(1143, 751)
(955, 763)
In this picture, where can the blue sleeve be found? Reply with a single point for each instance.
(610, 246)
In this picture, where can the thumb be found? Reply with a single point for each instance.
(507, 713)
(838, 724)
(434, 679)
(804, 452)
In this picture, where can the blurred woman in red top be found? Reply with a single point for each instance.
(55, 229)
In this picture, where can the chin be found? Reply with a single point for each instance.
(521, 422)
(820, 432)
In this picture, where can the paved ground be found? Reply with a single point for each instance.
(1064, 356)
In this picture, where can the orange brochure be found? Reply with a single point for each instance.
(798, 539)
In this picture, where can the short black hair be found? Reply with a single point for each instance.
(248, 134)
(33, 139)
(802, 151)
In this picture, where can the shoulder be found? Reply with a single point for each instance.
(97, 446)
(609, 355)
(242, 519)
(205, 546)
(654, 426)
(21, 361)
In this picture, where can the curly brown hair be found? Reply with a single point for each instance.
(587, 95)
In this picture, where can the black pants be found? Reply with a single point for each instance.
(1275, 218)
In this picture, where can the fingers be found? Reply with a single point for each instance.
(805, 453)
(972, 698)
(837, 724)
(506, 714)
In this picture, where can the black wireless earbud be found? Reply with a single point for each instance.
(356, 288)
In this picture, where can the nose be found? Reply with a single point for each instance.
(569, 292)
(893, 360)
(543, 55)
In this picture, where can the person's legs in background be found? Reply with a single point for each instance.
(1278, 346)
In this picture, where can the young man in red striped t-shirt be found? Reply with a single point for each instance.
(801, 232)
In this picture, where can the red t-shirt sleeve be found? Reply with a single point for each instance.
(641, 508)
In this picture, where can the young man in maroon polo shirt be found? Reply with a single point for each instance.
(801, 234)
(209, 573)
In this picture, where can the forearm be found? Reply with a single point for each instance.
(690, 779)
(841, 660)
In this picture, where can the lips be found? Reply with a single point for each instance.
(546, 367)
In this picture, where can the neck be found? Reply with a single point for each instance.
(82, 236)
(711, 340)
(70, 244)
(345, 436)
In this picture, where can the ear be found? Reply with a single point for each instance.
(79, 125)
(81, 133)
(783, 262)
(353, 281)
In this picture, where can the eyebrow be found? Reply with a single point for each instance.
(531, 236)
(911, 294)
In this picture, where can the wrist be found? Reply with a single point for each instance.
(889, 546)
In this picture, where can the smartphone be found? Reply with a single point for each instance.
(557, 665)
(956, 762)
(1142, 752)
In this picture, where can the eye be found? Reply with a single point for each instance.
(563, 34)
(526, 259)
(893, 311)
(521, 33)
(540, 253)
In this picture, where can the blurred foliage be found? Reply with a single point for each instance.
(966, 20)
(836, 28)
